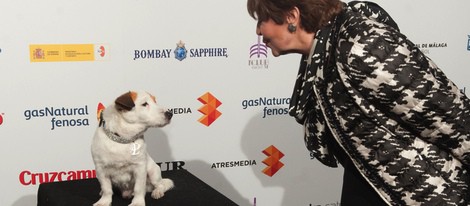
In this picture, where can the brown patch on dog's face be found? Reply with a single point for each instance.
(125, 102)
(153, 98)
(133, 95)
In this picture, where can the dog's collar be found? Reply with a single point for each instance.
(115, 137)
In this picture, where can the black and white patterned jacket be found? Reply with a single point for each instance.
(402, 122)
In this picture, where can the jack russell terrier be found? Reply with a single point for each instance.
(119, 151)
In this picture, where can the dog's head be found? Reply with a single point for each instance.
(142, 108)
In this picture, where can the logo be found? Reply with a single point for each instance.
(101, 51)
(66, 52)
(462, 90)
(171, 166)
(272, 161)
(60, 116)
(468, 43)
(209, 109)
(271, 106)
(38, 54)
(259, 49)
(180, 110)
(258, 55)
(237, 163)
(28, 178)
(427, 47)
(180, 51)
(1, 118)
(99, 110)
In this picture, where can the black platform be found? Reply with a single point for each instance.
(189, 190)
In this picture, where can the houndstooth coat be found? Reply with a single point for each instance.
(402, 122)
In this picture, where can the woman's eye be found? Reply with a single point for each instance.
(145, 104)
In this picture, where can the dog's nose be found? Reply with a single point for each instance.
(168, 114)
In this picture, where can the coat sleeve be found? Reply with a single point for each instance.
(388, 74)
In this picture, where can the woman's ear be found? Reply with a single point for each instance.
(293, 16)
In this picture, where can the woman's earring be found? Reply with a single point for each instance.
(292, 28)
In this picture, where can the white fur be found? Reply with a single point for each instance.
(116, 165)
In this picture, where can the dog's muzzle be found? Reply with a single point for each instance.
(168, 115)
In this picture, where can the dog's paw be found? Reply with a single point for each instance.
(157, 193)
(161, 188)
(103, 202)
(138, 202)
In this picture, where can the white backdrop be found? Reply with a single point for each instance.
(36, 148)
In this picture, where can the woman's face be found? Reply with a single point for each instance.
(275, 36)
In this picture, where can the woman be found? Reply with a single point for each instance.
(370, 99)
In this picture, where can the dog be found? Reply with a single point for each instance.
(119, 150)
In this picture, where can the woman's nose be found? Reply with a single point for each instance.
(258, 31)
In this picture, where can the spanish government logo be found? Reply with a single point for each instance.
(67, 52)
(180, 51)
(38, 53)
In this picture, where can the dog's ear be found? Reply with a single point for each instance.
(125, 102)
(154, 99)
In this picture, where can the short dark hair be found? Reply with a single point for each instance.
(314, 14)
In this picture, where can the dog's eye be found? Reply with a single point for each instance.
(145, 104)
